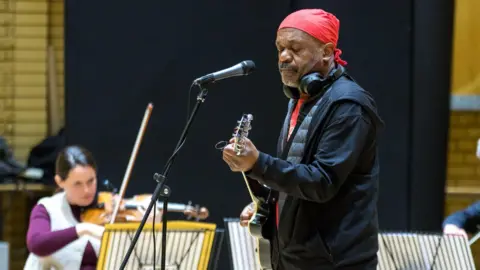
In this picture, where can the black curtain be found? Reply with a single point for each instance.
(119, 60)
(120, 57)
(432, 30)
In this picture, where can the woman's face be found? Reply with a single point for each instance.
(80, 185)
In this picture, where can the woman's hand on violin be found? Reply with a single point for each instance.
(110, 205)
(117, 200)
(114, 201)
(90, 229)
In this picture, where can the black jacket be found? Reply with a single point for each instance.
(329, 217)
(467, 219)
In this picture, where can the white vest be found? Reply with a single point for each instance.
(70, 256)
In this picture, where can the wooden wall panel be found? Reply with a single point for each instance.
(466, 48)
(24, 115)
(57, 40)
(463, 166)
(28, 28)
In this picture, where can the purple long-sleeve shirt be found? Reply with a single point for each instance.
(41, 241)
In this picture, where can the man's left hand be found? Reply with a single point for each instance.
(243, 162)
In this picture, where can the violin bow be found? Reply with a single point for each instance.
(133, 157)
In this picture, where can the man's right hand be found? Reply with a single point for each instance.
(246, 214)
(451, 229)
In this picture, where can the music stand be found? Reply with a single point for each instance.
(216, 249)
(241, 246)
(475, 237)
(429, 251)
(188, 246)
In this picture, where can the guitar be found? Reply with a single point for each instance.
(259, 224)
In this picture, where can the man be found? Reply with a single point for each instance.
(327, 168)
(463, 221)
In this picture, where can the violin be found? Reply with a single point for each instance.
(101, 212)
(142, 201)
(133, 209)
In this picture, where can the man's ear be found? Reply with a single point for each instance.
(59, 181)
(328, 52)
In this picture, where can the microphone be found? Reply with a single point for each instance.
(242, 69)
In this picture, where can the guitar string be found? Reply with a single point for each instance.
(249, 189)
(237, 147)
(222, 144)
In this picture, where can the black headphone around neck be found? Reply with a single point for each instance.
(313, 84)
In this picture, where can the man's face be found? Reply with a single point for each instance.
(298, 54)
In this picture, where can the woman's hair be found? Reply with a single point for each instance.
(72, 156)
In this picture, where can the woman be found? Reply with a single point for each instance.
(56, 236)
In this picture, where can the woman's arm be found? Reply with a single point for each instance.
(467, 219)
(41, 241)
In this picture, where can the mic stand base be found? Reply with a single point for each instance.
(161, 188)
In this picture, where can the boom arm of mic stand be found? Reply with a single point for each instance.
(163, 190)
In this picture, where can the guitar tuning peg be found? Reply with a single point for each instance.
(197, 211)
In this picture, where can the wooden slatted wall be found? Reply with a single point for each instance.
(24, 30)
(7, 54)
(29, 76)
(56, 39)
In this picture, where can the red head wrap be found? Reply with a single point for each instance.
(319, 24)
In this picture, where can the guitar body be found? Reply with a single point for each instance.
(260, 225)
(262, 251)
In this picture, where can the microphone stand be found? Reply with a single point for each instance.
(163, 190)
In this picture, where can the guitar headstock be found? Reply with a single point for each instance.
(241, 132)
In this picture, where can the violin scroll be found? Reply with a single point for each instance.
(196, 212)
